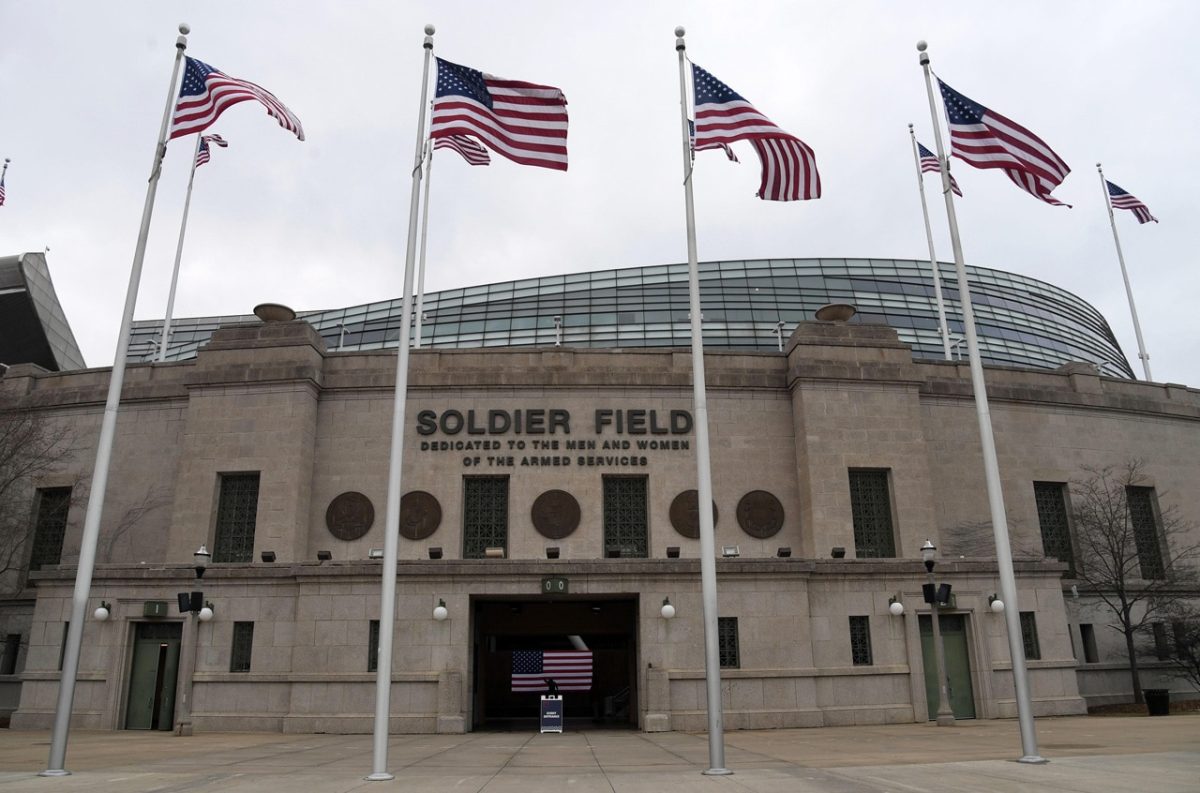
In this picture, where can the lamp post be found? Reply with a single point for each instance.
(945, 716)
(201, 611)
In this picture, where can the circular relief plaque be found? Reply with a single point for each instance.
(555, 514)
(760, 514)
(685, 514)
(349, 516)
(420, 515)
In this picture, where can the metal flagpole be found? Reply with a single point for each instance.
(391, 541)
(187, 203)
(424, 239)
(708, 549)
(1137, 327)
(1008, 582)
(933, 262)
(108, 425)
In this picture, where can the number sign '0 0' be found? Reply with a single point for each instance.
(554, 585)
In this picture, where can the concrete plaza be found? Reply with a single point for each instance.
(1091, 754)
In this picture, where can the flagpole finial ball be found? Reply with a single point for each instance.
(1097, 165)
(680, 32)
(922, 46)
(430, 30)
(910, 127)
(185, 28)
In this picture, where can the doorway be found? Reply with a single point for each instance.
(958, 665)
(152, 675)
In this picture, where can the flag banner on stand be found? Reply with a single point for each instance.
(203, 154)
(930, 164)
(789, 167)
(571, 670)
(524, 122)
(985, 139)
(1122, 200)
(206, 93)
(471, 150)
(725, 147)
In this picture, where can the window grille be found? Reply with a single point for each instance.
(860, 641)
(485, 515)
(727, 642)
(871, 508)
(625, 524)
(1052, 518)
(373, 646)
(1145, 531)
(243, 644)
(1029, 636)
(237, 516)
(50, 526)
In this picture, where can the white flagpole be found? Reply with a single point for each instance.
(1008, 581)
(424, 239)
(708, 546)
(391, 537)
(933, 263)
(187, 203)
(108, 425)
(1137, 327)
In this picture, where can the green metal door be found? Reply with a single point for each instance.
(151, 702)
(958, 665)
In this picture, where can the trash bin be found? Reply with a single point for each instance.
(1158, 701)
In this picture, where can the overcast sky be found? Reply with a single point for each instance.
(322, 223)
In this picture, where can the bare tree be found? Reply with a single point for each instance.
(153, 498)
(1138, 565)
(974, 539)
(1180, 646)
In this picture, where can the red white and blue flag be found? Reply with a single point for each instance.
(1, 191)
(929, 164)
(725, 147)
(985, 139)
(571, 670)
(204, 154)
(723, 116)
(525, 122)
(1123, 200)
(206, 93)
(471, 150)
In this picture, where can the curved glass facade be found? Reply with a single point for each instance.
(1021, 321)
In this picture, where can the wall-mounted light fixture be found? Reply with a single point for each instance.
(667, 610)
(102, 614)
(200, 560)
(268, 556)
(784, 553)
(494, 553)
(440, 612)
(838, 552)
(435, 552)
(895, 607)
(672, 551)
(551, 551)
(205, 614)
(374, 553)
(324, 556)
(730, 551)
(995, 604)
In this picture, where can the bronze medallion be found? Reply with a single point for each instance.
(420, 515)
(555, 514)
(349, 516)
(685, 514)
(760, 514)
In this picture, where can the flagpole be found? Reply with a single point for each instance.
(933, 263)
(708, 550)
(108, 425)
(1137, 327)
(387, 608)
(424, 238)
(1008, 582)
(187, 203)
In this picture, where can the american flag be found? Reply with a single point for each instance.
(723, 146)
(203, 154)
(929, 163)
(1121, 200)
(525, 122)
(789, 167)
(1, 191)
(985, 139)
(471, 150)
(570, 669)
(206, 93)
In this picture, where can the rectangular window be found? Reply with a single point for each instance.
(373, 646)
(1181, 640)
(860, 641)
(1052, 518)
(243, 644)
(871, 508)
(49, 526)
(727, 642)
(1145, 531)
(62, 646)
(626, 528)
(237, 516)
(1162, 647)
(485, 515)
(1029, 637)
(1087, 635)
(12, 648)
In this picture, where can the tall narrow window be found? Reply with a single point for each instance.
(50, 526)
(1052, 518)
(237, 516)
(373, 646)
(62, 647)
(871, 508)
(1029, 636)
(860, 641)
(485, 515)
(626, 528)
(1181, 639)
(12, 648)
(1087, 635)
(727, 643)
(1162, 647)
(243, 645)
(1145, 531)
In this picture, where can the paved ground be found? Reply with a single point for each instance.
(1092, 755)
